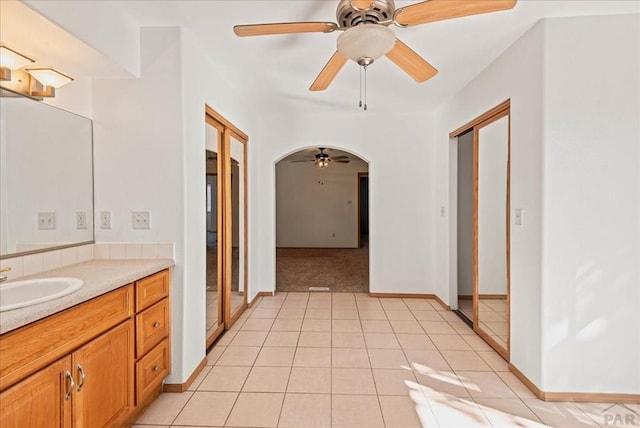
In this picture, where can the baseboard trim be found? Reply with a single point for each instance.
(412, 296)
(482, 296)
(182, 387)
(584, 397)
(260, 294)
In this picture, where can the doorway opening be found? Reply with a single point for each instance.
(322, 211)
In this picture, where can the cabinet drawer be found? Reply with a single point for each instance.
(151, 289)
(151, 370)
(152, 326)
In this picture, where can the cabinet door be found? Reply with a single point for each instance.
(39, 400)
(104, 378)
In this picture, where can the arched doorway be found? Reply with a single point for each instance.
(321, 205)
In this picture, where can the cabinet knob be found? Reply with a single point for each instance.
(156, 368)
(156, 324)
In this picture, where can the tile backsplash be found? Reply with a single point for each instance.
(36, 263)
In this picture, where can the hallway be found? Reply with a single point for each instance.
(323, 359)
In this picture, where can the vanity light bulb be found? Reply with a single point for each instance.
(13, 60)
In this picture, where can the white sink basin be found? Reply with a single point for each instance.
(18, 294)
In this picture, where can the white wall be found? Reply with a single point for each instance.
(397, 149)
(493, 148)
(591, 282)
(516, 74)
(317, 207)
(465, 214)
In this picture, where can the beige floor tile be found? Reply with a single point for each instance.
(316, 325)
(393, 305)
(275, 357)
(198, 380)
(345, 314)
(291, 313)
(347, 340)
(455, 412)
(238, 356)
(312, 357)
(437, 327)
(400, 315)
(282, 338)
(462, 328)
(369, 305)
(381, 340)
(264, 313)
(310, 380)
(150, 426)
(207, 408)
(508, 412)
(428, 315)
(417, 304)
(476, 343)
(415, 341)
(394, 382)
(559, 414)
(400, 412)
(215, 354)
(343, 301)
(406, 326)
(319, 301)
(249, 338)
(346, 326)
(465, 360)
(387, 359)
(366, 314)
(306, 410)
(610, 414)
(516, 386)
(449, 342)
(421, 360)
(164, 409)
(376, 326)
(352, 381)
(269, 304)
(226, 338)
(441, 382)
(356, 411)
(258, 324)
(298, 296)
(256, 410)
(485, 385)
(350, 358)
(494, 360)
(318, 314)
(285, 324)
(225, 378)
(315, 339)
(267, 379)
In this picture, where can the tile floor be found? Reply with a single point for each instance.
(350, 360)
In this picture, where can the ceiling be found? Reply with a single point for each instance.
(309, 154)
(281, 68)
(278, 70)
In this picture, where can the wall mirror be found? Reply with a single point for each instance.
(492, 231)
(46, 177)
(213, 196)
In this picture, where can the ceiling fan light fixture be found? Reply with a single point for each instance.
(366, 42)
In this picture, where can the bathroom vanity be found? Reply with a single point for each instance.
(95, 358)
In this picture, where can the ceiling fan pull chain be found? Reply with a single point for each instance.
(365, 88)
(360, 103)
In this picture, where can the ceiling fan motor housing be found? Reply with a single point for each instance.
(380, 12)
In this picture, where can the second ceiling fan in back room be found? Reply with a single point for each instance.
(367, 35)
(322, 159)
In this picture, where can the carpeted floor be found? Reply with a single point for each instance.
(342, 270)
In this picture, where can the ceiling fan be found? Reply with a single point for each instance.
(366, 35)
(322, 159)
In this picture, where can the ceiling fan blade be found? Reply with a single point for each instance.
(284, 28)
(412, 63)
(309, 160)
(341, 161)
(438, 10)
(339, 157)
(329, 72)
(362, 4)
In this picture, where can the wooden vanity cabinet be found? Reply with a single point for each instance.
(52, 376)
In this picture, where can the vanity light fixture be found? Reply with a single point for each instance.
(49, 76)
(11, 60)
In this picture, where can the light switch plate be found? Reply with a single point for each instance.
(47, 221)
(519, 220)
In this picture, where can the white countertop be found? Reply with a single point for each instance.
(99, 276)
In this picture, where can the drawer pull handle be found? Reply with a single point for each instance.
(156, 324)
(72, 385)
(83, 377)
(156, 368)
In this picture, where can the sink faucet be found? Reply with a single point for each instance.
(3, 278)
